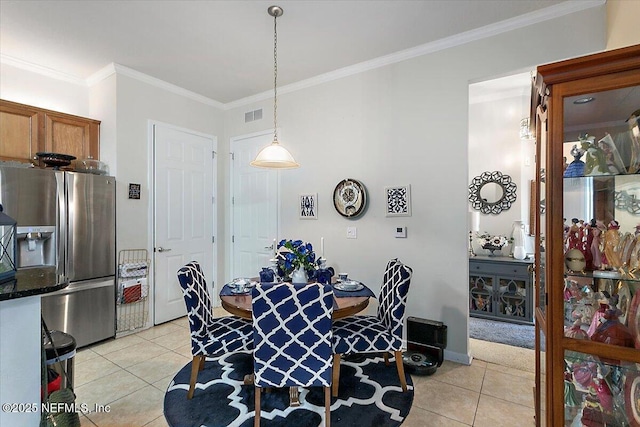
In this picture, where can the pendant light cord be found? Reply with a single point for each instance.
(275, 77)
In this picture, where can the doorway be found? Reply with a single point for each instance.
(254, 207)
(185, 224)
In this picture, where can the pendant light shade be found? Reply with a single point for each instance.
(275, 156)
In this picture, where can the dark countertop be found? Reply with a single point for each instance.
(32, 281)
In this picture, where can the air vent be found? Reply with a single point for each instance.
(250, 116)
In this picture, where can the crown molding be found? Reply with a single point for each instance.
(531, 18)
(118, 69)
(39, 69)
(101, 74)
(491, 30)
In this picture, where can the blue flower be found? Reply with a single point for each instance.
(295, 253)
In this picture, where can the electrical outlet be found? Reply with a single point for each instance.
(352, 233)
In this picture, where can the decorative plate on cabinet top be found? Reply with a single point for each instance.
(350, 198)
(55, 159)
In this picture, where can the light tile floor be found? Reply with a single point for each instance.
(130, 375)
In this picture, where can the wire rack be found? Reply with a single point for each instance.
(133, 289)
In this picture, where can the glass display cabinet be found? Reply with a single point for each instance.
(587, 274)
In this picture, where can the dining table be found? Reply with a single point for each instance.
(347, 303)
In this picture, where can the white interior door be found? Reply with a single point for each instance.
(184, 177)
(254, 207)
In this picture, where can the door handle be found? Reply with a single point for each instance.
(270, 247)
(161, 249)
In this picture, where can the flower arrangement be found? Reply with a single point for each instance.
(295, 253)
(492, 243)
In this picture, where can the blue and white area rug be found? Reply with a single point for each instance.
(369, 395)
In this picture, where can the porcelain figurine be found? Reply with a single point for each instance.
(611, 245)
(597, 228)
(576, 167)
(612, 332)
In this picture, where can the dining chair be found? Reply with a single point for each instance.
(376, 334)
(292, 337)
(210, 336)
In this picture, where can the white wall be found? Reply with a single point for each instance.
(406, 123)
(622, 23)
(102, 104)
(27, 87)
(136, 104)
(495, 145)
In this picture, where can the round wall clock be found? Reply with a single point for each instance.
(350, 198)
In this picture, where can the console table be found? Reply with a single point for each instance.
(500, 288)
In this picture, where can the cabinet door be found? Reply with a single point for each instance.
(481, 294)
(512, 298)
(19, 132)
(592, 186)
(72, 135)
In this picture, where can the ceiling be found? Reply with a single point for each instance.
(223, 50)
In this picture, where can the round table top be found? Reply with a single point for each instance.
(240, 305)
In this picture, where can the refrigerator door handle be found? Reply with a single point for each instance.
(161, 249)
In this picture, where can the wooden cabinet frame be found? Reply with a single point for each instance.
(594, 73)
(48, 131)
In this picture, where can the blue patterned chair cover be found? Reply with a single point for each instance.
(292, 337)
(376, 334)
(210, 336)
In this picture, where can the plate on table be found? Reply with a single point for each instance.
(245, 283)
(349, 286)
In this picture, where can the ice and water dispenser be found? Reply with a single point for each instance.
(36, 246)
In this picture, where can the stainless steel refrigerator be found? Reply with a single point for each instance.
(66, 220)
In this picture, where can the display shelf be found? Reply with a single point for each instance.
(588, 275)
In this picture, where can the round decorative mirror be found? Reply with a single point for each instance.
(492, 192)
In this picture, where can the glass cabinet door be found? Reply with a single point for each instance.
(588, 263)
(601, 245)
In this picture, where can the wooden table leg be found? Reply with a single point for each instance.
(294, 399)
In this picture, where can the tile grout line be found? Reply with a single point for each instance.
(475, 414)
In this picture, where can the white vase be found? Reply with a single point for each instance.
(299, 275)
(517, 234)
(519, 252)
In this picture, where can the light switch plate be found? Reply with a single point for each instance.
(401, 232)
(352, 233)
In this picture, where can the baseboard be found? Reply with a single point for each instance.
(452, 356)
(462, 358)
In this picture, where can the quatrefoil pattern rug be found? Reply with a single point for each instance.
(369, 395)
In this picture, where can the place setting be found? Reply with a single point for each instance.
(238, 286)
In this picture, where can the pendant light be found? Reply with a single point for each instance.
(275, 156)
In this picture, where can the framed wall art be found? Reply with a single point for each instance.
(398, 200)
(308, 207)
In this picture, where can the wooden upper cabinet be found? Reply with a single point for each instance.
(20, 138)
(72, 135)
(26, 130)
